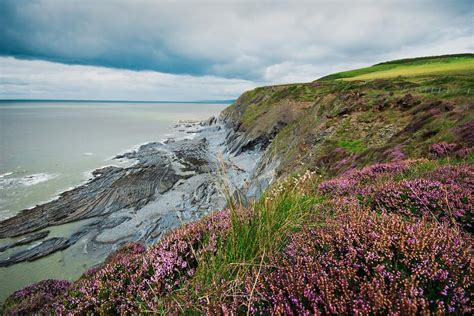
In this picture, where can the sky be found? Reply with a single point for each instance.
(208, 50)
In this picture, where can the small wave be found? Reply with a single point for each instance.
(36, 178)
(6, 174)
(88, 154)
(27, 180)
(87, 175)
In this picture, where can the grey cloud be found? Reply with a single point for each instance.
(235, 39)
(35, 79)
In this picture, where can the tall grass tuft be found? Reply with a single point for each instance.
(256, 232)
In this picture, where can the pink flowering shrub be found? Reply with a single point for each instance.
(462, 175)
(355, 181)
(131, 283)
(129, 249)
(442, 149)
(384, 239)
(443, 194)
(364, 263)
(420, 197)
(396, 153)
(463, 152)
(132, 279)
(35, 297)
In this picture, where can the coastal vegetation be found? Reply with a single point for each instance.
(371, 211)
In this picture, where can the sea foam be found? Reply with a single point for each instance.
(28, 180)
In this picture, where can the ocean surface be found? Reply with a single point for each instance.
(47, 147)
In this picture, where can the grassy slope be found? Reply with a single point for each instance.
(332, 125)
(368, 119)
(410, 68)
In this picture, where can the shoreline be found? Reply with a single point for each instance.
(187, 165)
(108, 162)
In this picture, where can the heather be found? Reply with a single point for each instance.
(364, 263)
(413, 188)
(442, 202)
(390, 238)
(35, 298)
(133, 280)
(344, 257)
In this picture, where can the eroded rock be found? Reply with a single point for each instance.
(45, 248)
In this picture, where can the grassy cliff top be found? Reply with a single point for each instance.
(413, 67)
(363, 116)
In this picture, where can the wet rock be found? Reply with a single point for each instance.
(45, 248)
(211, 121)
(111, 189)
(26, 240)
(114, 222)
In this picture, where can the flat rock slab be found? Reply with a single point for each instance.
(45, 248)
(26, 240)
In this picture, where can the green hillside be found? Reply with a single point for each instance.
(334, 124)
(415, 67)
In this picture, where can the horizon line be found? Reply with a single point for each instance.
(123, 101)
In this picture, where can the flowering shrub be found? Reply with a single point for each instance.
(450, 202)
(442, 149)
(132, 282)
(363, 263)
(129, 249)
(350, 261)
(396, 153)
(34, 298)
(445, 193)
(132, 279)
(355, 181)
(462, 175)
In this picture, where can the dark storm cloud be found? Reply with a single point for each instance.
(234, 39)
(85, 32)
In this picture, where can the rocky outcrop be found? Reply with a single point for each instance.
(45, 248)
(111, 189)
(172, 182)
(25, 240)
(239, 141)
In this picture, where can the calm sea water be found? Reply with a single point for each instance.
(47, 147)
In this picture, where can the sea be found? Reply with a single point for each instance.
(48, 147)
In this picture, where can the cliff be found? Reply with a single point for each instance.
(349, 120)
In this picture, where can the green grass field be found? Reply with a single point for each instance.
(451, 64)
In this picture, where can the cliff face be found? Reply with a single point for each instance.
(390, 111)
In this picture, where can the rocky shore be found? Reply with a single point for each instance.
(172, 182)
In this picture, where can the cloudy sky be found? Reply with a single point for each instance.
(200, 50)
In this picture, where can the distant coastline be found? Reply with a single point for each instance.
(230, 101)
